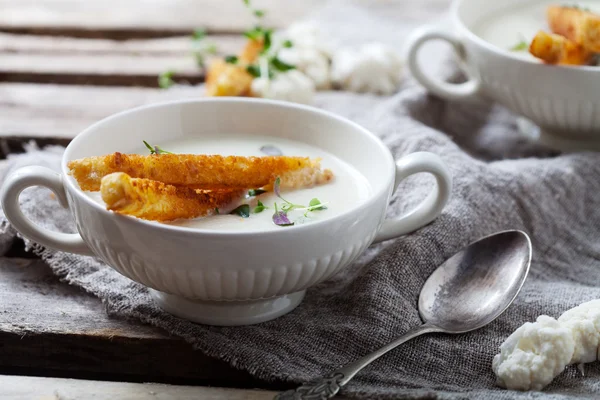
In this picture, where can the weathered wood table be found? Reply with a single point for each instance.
(65, 64)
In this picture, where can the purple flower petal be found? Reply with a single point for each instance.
(280, 218)
(271, 150)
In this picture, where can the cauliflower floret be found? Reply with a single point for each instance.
(311, 62)
(291, 86)
(307, 35)
(309, 52)
(373, 68)
(584, 323)
(534, 354)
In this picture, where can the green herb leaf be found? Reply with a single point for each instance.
(315, 204)
(211, 49)
(521, 46)
(155, 149)
(260, 207)
(253, 70)
(287, 44)
(231, 59)
(246, 3)
(256, 192)
(216, 210)
(255, 33)
(266, 40)
(280, 65)
(199, 34)
(149, 147)
(243, 211)
(259, 13)
(165, 80)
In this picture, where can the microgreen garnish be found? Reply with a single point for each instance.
(288, 206)
(280, 218)
(253, 70)
(216, 210)
(155, 149)
(260, 207)
(165, 79)
(257, 13)
(315, 204)
(231, 59)
(522, 45)
(271, 150)
(202, 48)
(199, 34)
(280, 65)
(287, 44)
(255, 192)
(243, 211)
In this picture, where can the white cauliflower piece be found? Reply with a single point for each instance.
(584, 323)
(534, 354)
(307, 35)
(373, 68)
(311, 62)
(309, 52)
(291, 86)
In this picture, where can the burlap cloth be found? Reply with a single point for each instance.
(501, 181)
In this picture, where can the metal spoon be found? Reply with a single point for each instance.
(465, 293)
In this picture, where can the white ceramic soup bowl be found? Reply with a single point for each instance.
(562, 100)
(219, 277)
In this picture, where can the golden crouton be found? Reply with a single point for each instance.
(202, 171)
(556, 49)
(152, 200)
(577, 25)
(225, 79)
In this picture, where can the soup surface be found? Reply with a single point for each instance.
(508, 27)
(348, 189)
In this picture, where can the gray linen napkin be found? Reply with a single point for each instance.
(502, 181)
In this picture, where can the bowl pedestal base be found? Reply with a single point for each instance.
(227, 313)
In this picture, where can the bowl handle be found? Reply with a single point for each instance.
(39, 176)
(450, 91)
(430, 207)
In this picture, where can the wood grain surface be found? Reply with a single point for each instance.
(30, 388)
(50, 328)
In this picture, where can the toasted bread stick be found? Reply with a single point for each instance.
(556, 49)
(202, 171)
(577, 25)
(152, 200)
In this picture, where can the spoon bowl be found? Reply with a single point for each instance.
(477, 284)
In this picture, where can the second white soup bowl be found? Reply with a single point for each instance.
(562, 100)
(229, 278)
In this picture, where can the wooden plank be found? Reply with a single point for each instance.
(28, 388)
(127, 18)
(62, 111)
(50, 328)
(47, 59)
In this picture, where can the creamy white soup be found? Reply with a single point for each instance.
(348, 189)
(509, 27)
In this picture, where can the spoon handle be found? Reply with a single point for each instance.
(329, 385)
